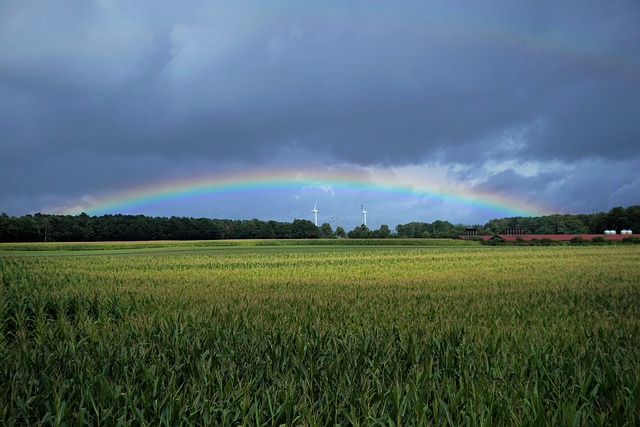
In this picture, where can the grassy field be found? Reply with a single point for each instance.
(320, 335)
(55, 248)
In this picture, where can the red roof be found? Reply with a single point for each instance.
(556, 237)
(483, 237)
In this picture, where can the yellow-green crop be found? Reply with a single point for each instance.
(323, 336)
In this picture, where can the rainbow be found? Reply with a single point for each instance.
(506, 36)
(278, 181)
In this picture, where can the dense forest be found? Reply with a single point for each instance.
(83, 228)
(78, 228)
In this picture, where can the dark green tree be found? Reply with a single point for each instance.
(360, 232)
(304, 229)
(326, 231)
(384, 232)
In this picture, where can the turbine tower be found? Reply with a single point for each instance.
(315, 214)
(364, 215)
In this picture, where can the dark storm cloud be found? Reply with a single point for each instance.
(397, 90)
(530, 187)
(137, 87)
(588, 185)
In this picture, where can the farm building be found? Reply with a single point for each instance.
(510, 237)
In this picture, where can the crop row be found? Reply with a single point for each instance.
(478, 336)
(237, 243)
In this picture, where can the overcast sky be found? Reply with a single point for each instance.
(537, 102)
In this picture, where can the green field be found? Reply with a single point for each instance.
(319, 334)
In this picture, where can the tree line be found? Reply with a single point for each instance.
(618, 218)
(78, 228)
(83, 228)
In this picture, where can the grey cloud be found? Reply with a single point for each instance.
(373, 93)
(312, 74)
(349, 82)
(60, 48)
(514, 184)
(596, 185)
(589, 185)
(590, 119)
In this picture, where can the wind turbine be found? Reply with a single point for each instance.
(315, 213)
(364, 215)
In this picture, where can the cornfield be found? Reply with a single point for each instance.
(322, 336)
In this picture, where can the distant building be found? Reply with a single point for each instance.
(470, 232)
(513, 236)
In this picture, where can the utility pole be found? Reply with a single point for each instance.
(337, 220)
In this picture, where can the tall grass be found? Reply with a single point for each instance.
(484, 336)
